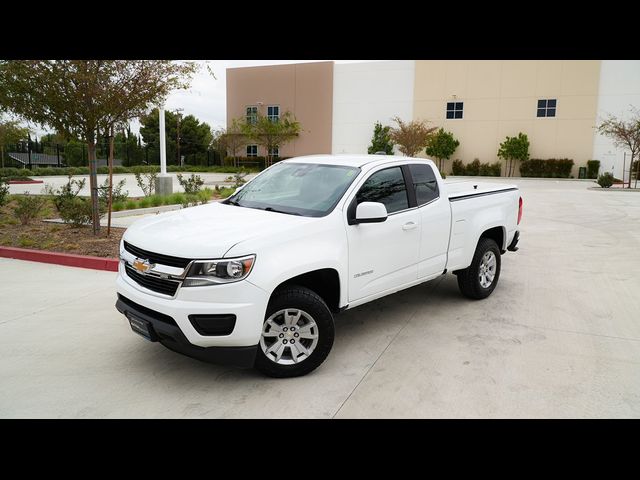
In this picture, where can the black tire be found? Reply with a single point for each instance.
(307, 300)
(468, 280)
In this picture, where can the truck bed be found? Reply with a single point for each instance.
(464, 189)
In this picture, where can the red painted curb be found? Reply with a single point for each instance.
(24, 182)
(67, 259)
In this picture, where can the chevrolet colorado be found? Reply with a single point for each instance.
(255, 280)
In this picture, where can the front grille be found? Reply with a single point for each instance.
(157, 257)
(160, 285)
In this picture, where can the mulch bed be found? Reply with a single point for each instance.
(57, 237)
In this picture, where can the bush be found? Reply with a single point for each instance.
(593, 167)
(551, 168)
(117, 206)
(476, 168)
(144, 202)
(131, 204)
(191, 184)
(77, 211)
(146, 181)
(605, 180)
(69, 191)
(228, 168)
(28, 207)
(117, 195)
(4, 192)
(156, 200)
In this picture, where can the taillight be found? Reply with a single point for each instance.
(519, 210)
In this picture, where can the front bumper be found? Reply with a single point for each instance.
(166, 331)
(242, 299)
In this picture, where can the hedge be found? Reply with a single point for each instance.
(476, 168)
(25, 172)
(593, 167)
(551, 168)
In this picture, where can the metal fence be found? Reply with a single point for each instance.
(35, 154)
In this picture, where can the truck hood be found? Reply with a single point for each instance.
(207, 231)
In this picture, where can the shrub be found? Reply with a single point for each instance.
(68, 191)
(605, 180)
(77, 211)
(4, 192)
(117, 195)
(28, 207)
(131, 204)
(226, 192)
(237, 178)
(117, 206)
(192, 184)
(156, 200)
(146, 181)
(476, 168)
(593, 167)
(551, 168)
(177, 198)
(144, 202)
(26, 242)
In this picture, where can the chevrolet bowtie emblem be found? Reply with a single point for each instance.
(143, 266)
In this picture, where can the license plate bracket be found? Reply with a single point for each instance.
(142, 327)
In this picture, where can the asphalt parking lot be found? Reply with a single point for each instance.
(559, 337)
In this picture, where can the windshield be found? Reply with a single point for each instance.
(307, 189)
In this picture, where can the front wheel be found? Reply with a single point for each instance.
(481, 277)
(297, 334)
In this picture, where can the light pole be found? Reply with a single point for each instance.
(164, 181)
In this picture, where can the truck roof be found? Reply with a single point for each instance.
(350, 159)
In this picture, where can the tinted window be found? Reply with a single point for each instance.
(546, 107)
(424, 182)
(454, 109)
(387, 187)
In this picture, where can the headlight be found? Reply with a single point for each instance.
(224, 270)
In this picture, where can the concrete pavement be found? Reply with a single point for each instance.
(559, 337)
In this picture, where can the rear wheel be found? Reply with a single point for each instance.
(297, 334)
(481, 277)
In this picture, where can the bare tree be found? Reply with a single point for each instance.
(234, 139)
(625, 134)
(411, 137)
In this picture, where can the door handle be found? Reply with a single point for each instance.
(409, 226)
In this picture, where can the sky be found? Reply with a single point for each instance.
(206, 99)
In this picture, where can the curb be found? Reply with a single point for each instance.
(24, 182)
(58, 258)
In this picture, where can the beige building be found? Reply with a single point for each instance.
(304, 89)
(557, 103)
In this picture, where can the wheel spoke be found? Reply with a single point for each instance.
(305, 331)
(274, 326)
(290, 320)
(274, 346)
(270, 334)
(293, 349)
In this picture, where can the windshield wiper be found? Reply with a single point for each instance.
(271, 209)
(232, 202)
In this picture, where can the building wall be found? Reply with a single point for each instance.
(619, 90)
(305, 89)
(500, 98)
(364, 93)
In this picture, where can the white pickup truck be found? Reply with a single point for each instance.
(256, 280)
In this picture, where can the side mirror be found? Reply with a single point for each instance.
(371, 212)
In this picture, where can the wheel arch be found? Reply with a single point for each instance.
(323, 281)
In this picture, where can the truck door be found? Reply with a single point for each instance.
(435, 218)
(383, 255)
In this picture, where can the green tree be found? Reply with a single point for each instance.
(411, 137)
(381, 142)
(85, 97)
(441, 146)
(625, 134)
(271, 134)
(10, 132)
(195, 136)
(514, 149)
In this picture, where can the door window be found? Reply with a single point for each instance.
(386, 186)
(424, 183)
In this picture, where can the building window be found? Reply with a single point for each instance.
(547, 108)
(252, 150)
(252, 115)
(273, 113)
(454, 110)
(274, 152)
